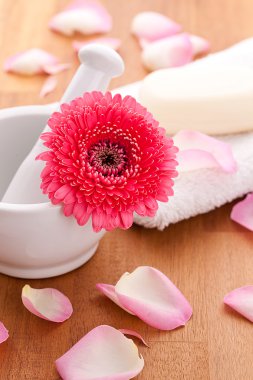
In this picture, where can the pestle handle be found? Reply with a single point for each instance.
(99, 64)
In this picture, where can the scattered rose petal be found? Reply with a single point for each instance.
(4, 335)
(168, 52)
(48, 303)
(55, 69)
(102, 354)
(198, 151)
(199, 44)
(151, 296)
(113, 43)
(242, 212)
(83, 16)
(152, 26)
(144, 43)
(48, 86)
(241, 300)
(135, 334)
(109, 291)
(34, 61)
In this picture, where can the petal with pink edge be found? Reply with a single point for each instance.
(4, 334)
(48, 86)
(102, 354)
(135, 334)
(151, 296)
(47, 303)
(198, 151)
(242, 212)
(33, 61)
(241, 300)
(113, 43)
(83, 16)
(152, 26)
(109, 291)
(199, 44)
(168, 52)
(56, 68)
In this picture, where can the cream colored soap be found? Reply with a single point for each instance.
(214, 100)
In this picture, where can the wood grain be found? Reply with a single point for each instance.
(205, 257)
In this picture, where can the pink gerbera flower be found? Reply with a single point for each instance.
(107, 159)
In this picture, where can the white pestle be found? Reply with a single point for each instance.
(99, 64)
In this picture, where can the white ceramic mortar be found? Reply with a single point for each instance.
(36, 240)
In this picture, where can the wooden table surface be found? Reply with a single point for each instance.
(205, 257)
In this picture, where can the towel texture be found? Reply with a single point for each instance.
(203, 190)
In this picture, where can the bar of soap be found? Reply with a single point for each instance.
(214, 100)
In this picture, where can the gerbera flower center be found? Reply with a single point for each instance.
(108, 157)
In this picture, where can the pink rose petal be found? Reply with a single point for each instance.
(113, 43)
(135, 334)
(151, 296)
(144, 43)
(33, 61)
(168, 52)
(48, 303)
(4, 334)
(102, 354)
(198, 151)
(109, 291)
(83, 16)
(242, 212)
(56, 68)
(199, 44)
(48, 86)
(241, 300)
(152, 26)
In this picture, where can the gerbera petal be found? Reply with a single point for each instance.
(168, 52)
(83, 16)
(54, 186)
(4, 334)
(48, 86)
(141, 209)
(44, 156)
(48, 303)
(151, 203)
(152, 26)
(79, 212)
(62, 192)
(70, 198)
(113, 43)
(242, 212)
(102, 354)
(126, 219)
(98, 219)
(150, 295)
(199, 44)
(33, 61)
(197, 151)
(84, 219)
(241, 300)
(68, 209)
